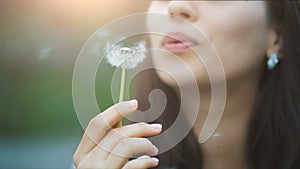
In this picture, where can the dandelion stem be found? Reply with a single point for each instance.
(121, 96)
(122, 85)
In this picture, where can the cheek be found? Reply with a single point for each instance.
(240, 41)
(158, 7)
(238, 35)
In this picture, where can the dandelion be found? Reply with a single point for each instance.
(125, 58)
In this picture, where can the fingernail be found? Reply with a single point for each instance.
(156, 126)
(155, 160)
(133, 103)
(155, 149)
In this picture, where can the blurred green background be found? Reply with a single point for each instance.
(39, 43)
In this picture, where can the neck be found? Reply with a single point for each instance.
(240, 99)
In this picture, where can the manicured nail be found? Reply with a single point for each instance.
(155, 149)
(155, 160)
(133, 103)
(156, 126)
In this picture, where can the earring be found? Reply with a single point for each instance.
(272, 61)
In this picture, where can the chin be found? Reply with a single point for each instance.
(184, 81)
(166, 78)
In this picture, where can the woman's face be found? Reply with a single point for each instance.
(236, 29)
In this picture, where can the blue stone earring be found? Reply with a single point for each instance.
(272, 61)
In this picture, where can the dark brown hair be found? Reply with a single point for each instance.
(273, 140)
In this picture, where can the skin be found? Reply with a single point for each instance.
(234, 28)
(240, 33)
(105, 147)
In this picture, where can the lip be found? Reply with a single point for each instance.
(178, 42)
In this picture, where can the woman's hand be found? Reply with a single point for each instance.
(105, 147)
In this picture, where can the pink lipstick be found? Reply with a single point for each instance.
(177, 42)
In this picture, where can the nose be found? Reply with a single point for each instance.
(182, 9)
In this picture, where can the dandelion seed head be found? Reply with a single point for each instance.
(124, 56)
(126, 50)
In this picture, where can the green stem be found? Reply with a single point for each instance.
(121, 96)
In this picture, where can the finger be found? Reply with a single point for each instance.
(128, 147)
(107, 144)
(101, 123)
(142, 162)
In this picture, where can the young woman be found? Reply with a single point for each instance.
(258, 43)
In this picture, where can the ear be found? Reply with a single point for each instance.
(275, 43)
